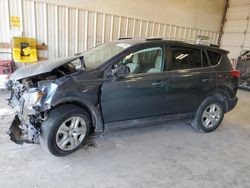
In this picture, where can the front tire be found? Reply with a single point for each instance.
(65, 130)
(209, 115)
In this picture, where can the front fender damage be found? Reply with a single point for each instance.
(33, 90)
(26, 126)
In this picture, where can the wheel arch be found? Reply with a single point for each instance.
(93, 111)
(223, 96)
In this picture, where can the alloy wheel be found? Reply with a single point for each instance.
(211, 116)
(71, 133)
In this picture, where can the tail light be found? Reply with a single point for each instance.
(235, 73)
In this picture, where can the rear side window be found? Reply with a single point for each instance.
(185, 58)
(214, 57)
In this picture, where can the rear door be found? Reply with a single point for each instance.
(141, 94)
(191, 79)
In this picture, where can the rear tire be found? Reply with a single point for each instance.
(65, 130)
(209, 115)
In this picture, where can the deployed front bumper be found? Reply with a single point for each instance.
(21, 129)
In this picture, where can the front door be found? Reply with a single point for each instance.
(143, 93)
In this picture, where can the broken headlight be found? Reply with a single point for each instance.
(32, 98)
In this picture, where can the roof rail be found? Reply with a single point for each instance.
(214, 45)
(202, 40)
(153, 39)
(124, 38)
(190, 41)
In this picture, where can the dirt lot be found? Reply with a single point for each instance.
(170, 155)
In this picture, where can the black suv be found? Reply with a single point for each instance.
(120, 84)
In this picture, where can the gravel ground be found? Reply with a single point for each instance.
(169, 155)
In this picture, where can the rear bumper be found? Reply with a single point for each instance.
(232, 103)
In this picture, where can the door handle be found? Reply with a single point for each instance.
(206, 80)
(158, 83)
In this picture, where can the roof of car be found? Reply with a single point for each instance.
(135, 41)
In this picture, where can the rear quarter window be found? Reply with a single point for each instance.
(214, 57)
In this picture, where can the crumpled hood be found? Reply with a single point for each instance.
(41, 67)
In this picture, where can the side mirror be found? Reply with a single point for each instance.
(121, 71)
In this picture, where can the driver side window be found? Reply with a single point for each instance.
(148, 60)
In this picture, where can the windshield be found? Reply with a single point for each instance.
(94, 57)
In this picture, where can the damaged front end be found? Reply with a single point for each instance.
(32, 92)
(30, 105)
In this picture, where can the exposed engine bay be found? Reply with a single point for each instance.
(57, 73)
(30, 98)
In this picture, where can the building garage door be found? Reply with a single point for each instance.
(236, 34)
